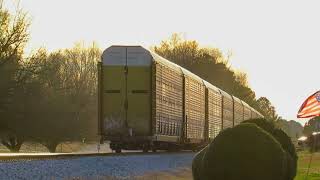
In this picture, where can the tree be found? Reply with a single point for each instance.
(313, 141)
(313, 125)
(66, 101)
(267, 109)
(209, 64)
(13, 37)
(292, 128)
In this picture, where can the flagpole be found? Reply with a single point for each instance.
(305, 112)
(313, 148)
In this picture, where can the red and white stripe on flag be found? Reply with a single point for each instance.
(310, 107)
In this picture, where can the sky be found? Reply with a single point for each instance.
(276, 42)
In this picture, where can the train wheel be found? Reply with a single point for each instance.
(145, 147)
(118, 150)
(173, 148)
(154, 150)
(145, 150)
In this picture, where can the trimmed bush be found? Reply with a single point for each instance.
(285, 142)
(243, 152)
(197, 164)
(291, 167)
(287, 145)
(262, 123)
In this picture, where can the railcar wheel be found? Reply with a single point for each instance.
(145, 147)
(154, 150)
(118, 150)
(145, 150)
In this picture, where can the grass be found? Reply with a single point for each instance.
(303, 162)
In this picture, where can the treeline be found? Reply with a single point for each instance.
(47, 97)
(211, 65)
(311, 131)
(313, 125)
(292, 128)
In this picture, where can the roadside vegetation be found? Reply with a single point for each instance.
(51, 97)
(303, 163)
(236, 152)
(46, 97)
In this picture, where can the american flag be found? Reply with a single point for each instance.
(310, 107)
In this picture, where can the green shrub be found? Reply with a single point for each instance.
(287, 145)
(244, 152)
(197, 164)
(262, 123)
(291, 167)
(285, 142)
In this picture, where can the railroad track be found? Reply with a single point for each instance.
(47, 156)
(127, 165)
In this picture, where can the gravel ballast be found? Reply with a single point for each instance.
(122, 167)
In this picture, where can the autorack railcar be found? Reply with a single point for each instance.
(246, 111)
(213, 110)
(147, 102)
(238, 111)
(227, 110)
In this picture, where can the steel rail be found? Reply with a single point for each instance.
(53, 156)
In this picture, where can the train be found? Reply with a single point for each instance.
(148, 103)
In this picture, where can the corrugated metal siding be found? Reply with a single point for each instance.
(227, 110)
(167, 102)
(238, 111)
(195, 108)
(247, 113)
(168, 108)
(254, 114)
(214, 113)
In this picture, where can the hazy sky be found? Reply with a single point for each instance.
(275, 41)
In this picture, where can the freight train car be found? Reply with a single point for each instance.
(246, 111)
(227, 110)
(238, 111)
(147, 102)
(194, 107)
(213, 113)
